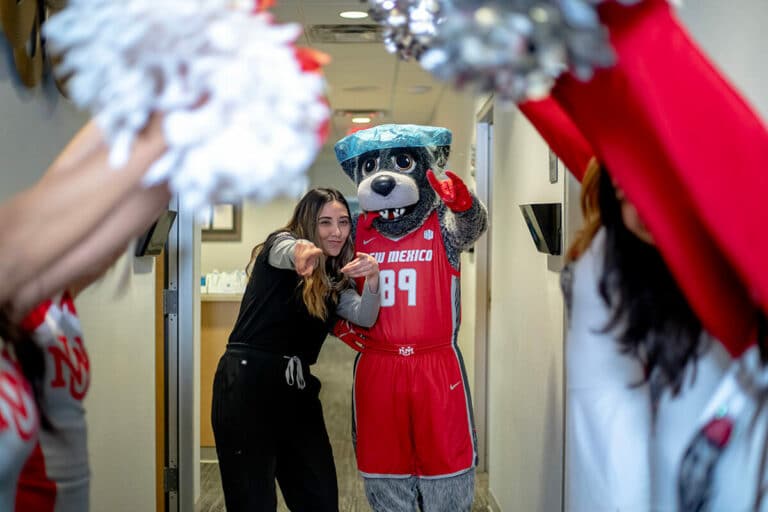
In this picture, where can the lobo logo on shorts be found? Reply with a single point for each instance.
(72, 354)
(16, 406)
(405, 351)
(56, 328)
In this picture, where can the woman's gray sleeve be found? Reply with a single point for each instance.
(282, 251)
(361, 310)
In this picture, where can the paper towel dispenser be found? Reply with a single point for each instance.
(544, 221)
(151, 243)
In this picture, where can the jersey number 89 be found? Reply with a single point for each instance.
(403, 280)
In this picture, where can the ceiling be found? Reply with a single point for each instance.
(362, 76)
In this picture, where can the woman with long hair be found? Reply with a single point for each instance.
(266, 415)
(639, 365)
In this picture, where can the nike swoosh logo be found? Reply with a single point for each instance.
(453, 386)
(366, 242)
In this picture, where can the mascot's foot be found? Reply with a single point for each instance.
(452, 494)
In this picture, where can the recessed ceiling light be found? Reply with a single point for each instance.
(353, 15)
(361, 120)
(539, 14)
(419, 89)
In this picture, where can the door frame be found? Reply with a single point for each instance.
(572, 222)
(483, 182)
(181, 307)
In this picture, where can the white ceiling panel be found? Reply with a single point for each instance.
(363, 76)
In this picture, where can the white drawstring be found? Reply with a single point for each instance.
(294, 373)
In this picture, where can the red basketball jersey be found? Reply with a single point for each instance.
(416, 282)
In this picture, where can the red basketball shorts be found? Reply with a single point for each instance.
(413, 413)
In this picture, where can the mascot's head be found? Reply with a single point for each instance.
(389, 165)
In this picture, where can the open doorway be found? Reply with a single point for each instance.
(219, 302)
(222, 280)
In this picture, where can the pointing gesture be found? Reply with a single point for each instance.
(306, 257)
(364, 265)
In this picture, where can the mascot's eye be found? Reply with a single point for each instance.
(370, 165)
(404, 162)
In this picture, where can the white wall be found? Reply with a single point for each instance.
(34, 127)
(259, 220)
(733, 35)
(526, 324)
(326, 172)
(119, 331)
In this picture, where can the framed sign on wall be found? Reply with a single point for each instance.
(224, 223)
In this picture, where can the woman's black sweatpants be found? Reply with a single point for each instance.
(267, 430)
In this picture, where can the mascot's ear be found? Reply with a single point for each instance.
(349, 167)
(441, 156)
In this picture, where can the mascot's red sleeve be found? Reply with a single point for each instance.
(690, 154)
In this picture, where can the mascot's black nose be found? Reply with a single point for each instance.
(383, 185)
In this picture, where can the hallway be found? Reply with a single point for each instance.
(334, 369)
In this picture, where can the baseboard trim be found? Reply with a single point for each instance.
(208, 454)
(493, 505)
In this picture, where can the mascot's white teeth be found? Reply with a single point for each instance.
(393, 214)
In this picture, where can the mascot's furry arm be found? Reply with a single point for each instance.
(463, 218)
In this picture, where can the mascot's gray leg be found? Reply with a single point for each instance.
(392, 494)
(452, 494)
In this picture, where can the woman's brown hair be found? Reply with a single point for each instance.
(327, 281)
(649, 315)
(590, 210)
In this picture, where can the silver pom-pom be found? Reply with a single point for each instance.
(409, 25)
(515, 48)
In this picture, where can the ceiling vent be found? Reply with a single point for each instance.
(329, 34)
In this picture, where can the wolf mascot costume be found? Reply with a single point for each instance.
(413, 427)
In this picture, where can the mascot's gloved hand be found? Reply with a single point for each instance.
(452, 191)
(344, 330)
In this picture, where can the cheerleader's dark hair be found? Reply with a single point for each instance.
(651, 317)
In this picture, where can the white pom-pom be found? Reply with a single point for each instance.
(241, 119)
